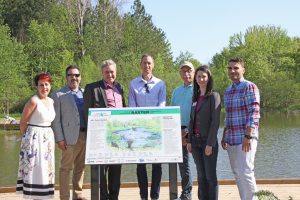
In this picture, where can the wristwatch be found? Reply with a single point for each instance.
(186, 130)
(248, 137)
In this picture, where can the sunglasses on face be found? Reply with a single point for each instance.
(147, 89)
(72, 75)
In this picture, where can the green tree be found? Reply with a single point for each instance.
(89, 71)
(270, 59)
(102, 37)
(186, 56)
(18, 14)
(218, 68)
(62, 24)
(141, 36)
(47, 52)
(13, 62)
(78, 10)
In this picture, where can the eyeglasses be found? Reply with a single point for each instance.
(184, 71)
(72, 75)
(147, 89)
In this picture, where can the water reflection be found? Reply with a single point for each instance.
(277, 154)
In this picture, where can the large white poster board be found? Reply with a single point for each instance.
(133, 135)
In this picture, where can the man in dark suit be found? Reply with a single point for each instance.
(106, 93)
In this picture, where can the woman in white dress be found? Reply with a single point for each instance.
(36, 161)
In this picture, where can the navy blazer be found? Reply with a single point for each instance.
(208, 118)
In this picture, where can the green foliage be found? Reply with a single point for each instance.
(270, 62)
(13, 62)
(103, 34)
(116, 137)
(186, 56)
(265, 195)
(55, 34)
(62, 24)
(18, 14)
(47, 36)
(46, 50)
(89, 71)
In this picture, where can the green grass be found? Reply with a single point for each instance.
(17, 116)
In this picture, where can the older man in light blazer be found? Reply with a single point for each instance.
(70, 133)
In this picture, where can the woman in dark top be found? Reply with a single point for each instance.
(203, 129)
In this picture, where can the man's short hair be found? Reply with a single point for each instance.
(107, 63)
(147, 55)
(72, 67)
(238, 60)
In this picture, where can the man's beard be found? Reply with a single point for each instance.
(74, 84)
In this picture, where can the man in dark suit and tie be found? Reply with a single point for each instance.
(106, 93)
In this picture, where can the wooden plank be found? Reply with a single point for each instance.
(226, 192)
(166, 184)
(10, 126)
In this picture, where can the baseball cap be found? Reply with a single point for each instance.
(187, 63)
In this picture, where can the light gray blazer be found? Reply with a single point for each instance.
(66, 124)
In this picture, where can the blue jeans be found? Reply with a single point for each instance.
(141, 172)
(208, 187)
(186, 175)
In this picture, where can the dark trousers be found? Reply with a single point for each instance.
(143, 180)
(208, 187)
(186, 175)
(114, 182)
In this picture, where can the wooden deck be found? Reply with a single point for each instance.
(10, 126)
(227, 190)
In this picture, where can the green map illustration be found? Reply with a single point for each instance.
(137, 134)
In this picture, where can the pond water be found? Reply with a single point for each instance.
(277, 154)
(138, 138)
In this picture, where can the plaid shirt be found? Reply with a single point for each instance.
(241, 101)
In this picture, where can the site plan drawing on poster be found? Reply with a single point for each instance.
(134, 135)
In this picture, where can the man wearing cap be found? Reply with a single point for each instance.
(182, 96)
(147, 91)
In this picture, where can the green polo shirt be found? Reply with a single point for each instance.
(182, 96)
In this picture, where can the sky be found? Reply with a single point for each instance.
(204, 27)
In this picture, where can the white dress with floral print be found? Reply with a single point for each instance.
(36, 161)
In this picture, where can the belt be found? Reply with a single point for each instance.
(199, 135)
(82, 129)
(39, 126)
(183, 127)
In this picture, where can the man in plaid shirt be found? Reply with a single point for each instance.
(241, 101)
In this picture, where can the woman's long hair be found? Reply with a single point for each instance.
(209, 87)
